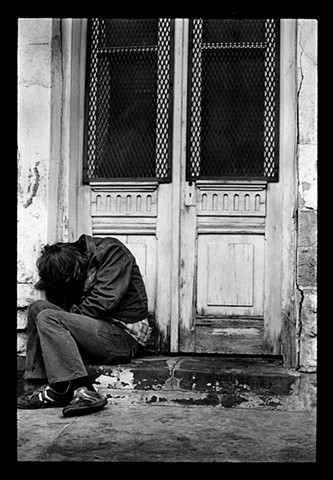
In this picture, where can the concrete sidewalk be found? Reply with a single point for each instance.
(183, 408)
(128, 432)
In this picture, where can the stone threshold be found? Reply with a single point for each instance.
(230, 382)
(215, 380)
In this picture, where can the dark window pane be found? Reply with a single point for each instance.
(233, 31)
(129, 32)
(127, 119)
(128, 146)
(233, 112)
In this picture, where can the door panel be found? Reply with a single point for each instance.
(143, 248)
(230, 275)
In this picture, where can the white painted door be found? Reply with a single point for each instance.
(229, 271)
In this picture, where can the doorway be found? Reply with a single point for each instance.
(210, 241)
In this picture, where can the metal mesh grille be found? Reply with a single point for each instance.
(233, 127)
(128, 96)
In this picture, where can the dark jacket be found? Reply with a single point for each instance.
(114, 286)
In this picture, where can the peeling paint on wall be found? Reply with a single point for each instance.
(33, 186)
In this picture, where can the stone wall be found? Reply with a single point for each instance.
(307, 193)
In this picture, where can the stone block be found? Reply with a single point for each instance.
(307, 176)
(27, 293)
(307, 228)
(21, 343)
(307, 266)
(308, 337)
(309, 311)
(21, 318)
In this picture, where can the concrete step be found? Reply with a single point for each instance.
(226, 381)
(232, 382)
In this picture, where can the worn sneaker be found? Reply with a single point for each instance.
(44, 397)
(84, 401)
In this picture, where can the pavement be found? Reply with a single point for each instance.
(167, 433)
(182, 409)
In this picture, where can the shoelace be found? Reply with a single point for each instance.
(37, 391)
(42, 394)
(82, 395)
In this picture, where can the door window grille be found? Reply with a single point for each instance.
(128, 100)
(233, 108)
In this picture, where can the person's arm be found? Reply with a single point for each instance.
(111, 283)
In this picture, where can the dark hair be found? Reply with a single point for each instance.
(62, 270)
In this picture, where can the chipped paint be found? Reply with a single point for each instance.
(32, 186)
(172, 384)
(119, 378)
(235, 331)
(207, 382)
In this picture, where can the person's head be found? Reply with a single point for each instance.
(62, 270)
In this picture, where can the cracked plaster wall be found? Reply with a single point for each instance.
(39, 90)
(307, 193)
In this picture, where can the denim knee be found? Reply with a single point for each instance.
(36, 307)
(46, 316)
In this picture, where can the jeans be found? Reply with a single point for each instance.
(60, 344)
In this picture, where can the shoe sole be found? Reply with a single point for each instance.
(40, 407)
(75, 411)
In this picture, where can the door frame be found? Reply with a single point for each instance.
(288, 158)
(175, 289)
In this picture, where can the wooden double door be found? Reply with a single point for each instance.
(210, 248)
